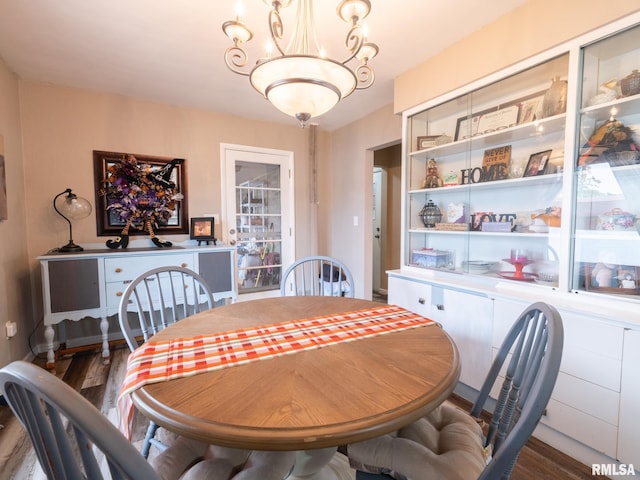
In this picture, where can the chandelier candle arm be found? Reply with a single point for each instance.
(301, 81)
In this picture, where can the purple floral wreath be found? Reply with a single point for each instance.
(136, 194)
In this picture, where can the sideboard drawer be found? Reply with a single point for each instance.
(114, 294)
(115, 290)
(128, 268)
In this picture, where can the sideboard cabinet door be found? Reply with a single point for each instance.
(74, 285)
(217, 270)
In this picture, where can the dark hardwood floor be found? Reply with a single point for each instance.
(100, 383)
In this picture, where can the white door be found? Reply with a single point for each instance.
(378, 179)
(258, 206)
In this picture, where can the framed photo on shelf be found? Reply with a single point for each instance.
(614, 279)
(427, 141)
(529, 107)
(203, 229)
(488, 121)
(467, 126)
(537, 164)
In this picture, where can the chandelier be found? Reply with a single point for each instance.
(300, 80)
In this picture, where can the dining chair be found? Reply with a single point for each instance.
(450, 443)
(317, 276)
(151, 302)
(66, 430)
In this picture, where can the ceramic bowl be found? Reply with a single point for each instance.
(616, 219)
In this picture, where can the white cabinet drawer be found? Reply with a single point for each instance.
(592, 350)
(414, 296)
(119, 269)
(587, 429)
(592, 367)
(587, 397)
(115, 290)
(114, 294)
(592, 335)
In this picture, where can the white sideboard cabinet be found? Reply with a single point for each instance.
(89, 284)
(524, 186)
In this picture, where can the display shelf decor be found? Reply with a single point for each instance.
(139, 194)
(203, 230)
(537, 164)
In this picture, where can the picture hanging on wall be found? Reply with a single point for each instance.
(110, 221)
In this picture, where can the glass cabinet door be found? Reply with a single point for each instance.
(605, 240)
(484, 178)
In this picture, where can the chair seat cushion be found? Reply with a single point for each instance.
(192, 460)
(445, 444)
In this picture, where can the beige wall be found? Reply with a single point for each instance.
(347, 192)
(62, 126)
(15, 292)
(532, 28)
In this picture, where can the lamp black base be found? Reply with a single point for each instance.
(71, 247)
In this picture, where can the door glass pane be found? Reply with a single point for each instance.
(258, 225)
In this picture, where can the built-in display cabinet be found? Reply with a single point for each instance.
(525, 186)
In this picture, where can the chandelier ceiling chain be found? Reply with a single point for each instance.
(300, 80)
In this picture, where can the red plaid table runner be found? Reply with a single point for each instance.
(181, 357)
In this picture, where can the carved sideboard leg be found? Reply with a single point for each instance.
(104, 328)
(48, 336)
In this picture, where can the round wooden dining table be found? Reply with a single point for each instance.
(311, 399)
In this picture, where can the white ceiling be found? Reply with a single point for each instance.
(171, 51)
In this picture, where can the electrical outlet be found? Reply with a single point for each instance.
(12, 329)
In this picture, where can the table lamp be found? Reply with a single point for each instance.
(71, 207)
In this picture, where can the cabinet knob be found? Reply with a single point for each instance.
(184, 265)
(440, 306)
(421, 301)
(118, 294)
(118, 270)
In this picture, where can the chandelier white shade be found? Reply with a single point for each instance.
(299, 80)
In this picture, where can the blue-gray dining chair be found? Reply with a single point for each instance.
(449, 443)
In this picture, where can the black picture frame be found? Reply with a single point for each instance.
(538, 164)
(203, 229)
(467, 126)
(109, 224)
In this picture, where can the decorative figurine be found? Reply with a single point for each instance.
(432, 179)
(628, 281)
(602, 275)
